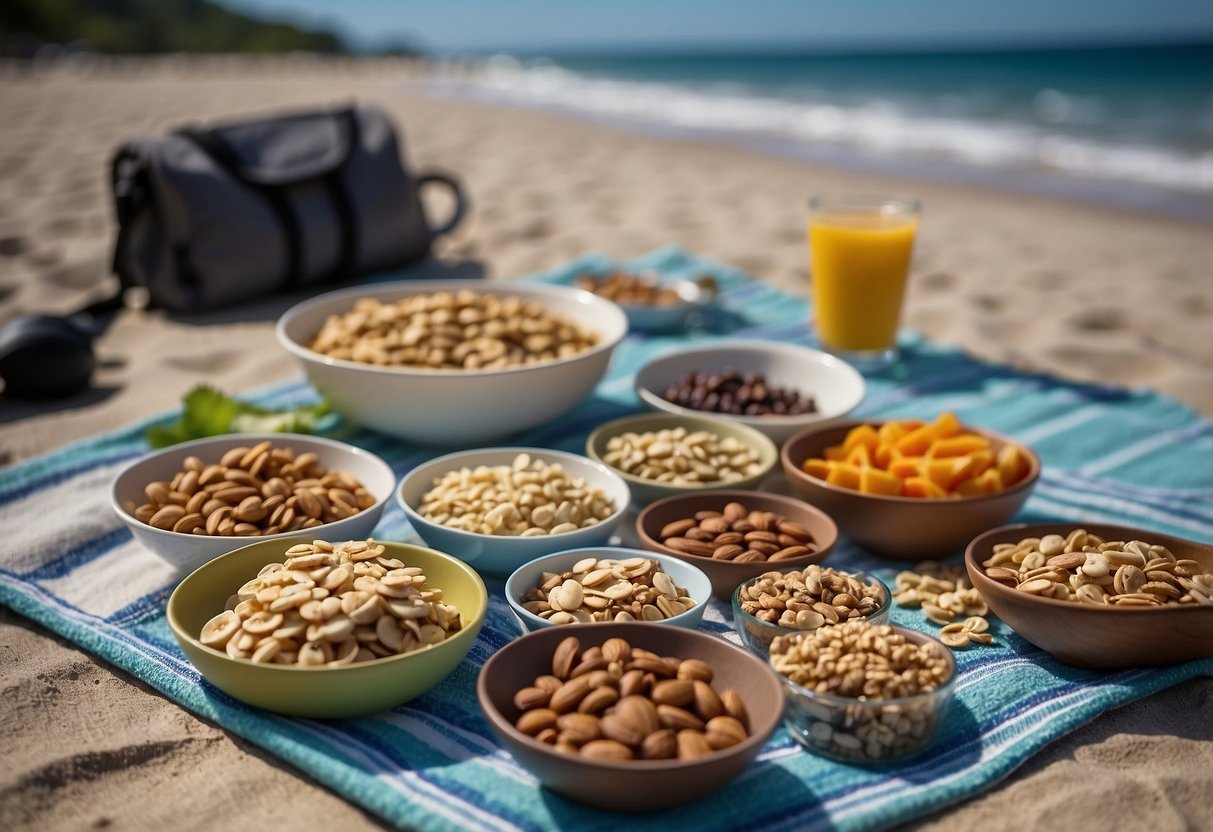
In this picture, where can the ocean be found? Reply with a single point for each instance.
(1129, 126)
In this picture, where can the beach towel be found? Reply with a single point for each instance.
(1109, 455)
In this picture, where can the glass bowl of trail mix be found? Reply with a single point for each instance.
(318, 629)
(1097, 595)
(453, 362)
(783, 603)
(860, 692)
(198, 500)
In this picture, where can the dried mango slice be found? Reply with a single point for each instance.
(844, 475)
(923, 488)
(875, 481)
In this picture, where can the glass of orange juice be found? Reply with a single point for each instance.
(859, 259)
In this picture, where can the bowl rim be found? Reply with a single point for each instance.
(755, 438)
(253, 438)
(987, 584)
(740, 495)
(834, 699)
(749, 745)
(548, 453)
(662, 559)
(482, 602)
(654, 401)
(867, 577)
(790, 467)
(614, 330)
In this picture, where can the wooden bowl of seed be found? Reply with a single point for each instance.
(192, 502)
(605, 584)
(1099, 596)
(595, 768)
(710, 531)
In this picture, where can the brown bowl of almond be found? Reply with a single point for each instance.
(629, 716)
(1099, 596)
(733, 536)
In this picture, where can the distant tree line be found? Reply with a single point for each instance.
(148, 26)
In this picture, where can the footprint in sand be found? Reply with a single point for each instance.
(7, 290)
(207, 362)
(13, 246)
(78, 275)
(64, 225)
(1097, 319)
(1134, 366)
(935, 282)
(987, 303)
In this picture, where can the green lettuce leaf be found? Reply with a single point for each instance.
(209, 412)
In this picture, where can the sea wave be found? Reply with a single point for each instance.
(874, 126)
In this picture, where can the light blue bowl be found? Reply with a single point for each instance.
(499, 555)
(684, 574)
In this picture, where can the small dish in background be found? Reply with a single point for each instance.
(651, 302)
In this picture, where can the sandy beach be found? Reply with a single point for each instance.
(1087, 293)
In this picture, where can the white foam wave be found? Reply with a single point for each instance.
(875, 127)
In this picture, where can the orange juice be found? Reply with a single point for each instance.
(859, 262)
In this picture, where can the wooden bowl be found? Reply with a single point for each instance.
(727, 575)
(1090, 636)
(903, 528)
(629, 785)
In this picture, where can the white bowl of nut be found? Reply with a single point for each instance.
(773, 387)
(453, 362)
(607, 584)
(281, 625)
(497, 508)
(661, 455)
(195, 501)
(652, 302)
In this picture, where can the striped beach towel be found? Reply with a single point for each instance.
(1109, 455)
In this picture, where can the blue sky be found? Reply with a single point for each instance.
(522, 25)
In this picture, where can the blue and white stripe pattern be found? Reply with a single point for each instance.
(1110, 455)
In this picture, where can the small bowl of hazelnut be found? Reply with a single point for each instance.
(772, 387)
(784, 603)
(734, 536)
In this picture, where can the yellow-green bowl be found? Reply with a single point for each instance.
(350, 690)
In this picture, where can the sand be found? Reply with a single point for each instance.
(1087, 293)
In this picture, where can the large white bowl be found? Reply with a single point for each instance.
(835, 385)
(500, 554)
(189, 551)
(455, 407)
(686, 575)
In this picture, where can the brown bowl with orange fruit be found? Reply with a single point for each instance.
(911, 490)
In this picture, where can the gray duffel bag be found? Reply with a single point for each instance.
(209, 217)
